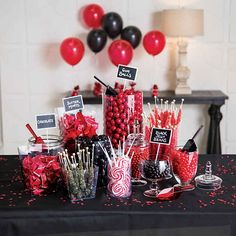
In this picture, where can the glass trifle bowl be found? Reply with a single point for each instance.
(184, 167)
(155, 171)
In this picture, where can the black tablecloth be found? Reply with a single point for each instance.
(192, 213)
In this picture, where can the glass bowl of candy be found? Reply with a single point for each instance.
(184, 167)
(155, 171)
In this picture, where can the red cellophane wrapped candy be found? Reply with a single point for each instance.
(41, 173)
(75, 91)
(120, 112)
(73, 126)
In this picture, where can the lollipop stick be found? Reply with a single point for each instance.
(127, 154)
(47, 140)
(158, 149)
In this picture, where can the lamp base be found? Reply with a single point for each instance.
(183, 89)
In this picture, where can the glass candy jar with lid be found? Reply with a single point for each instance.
(137, 148)
(120, 112)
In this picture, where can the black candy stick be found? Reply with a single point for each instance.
(190, 145)
(109, 91)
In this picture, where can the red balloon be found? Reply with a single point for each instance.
(92, 15)
(154, 42)
(120, 52)
(72, 50)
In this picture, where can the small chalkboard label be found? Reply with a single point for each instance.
(47, 121)
(73, 103)
(126, 72)
(161, 136)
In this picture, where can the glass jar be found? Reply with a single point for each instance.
(41, 167)
(120, 112)
(100, 158)
(138, 148)
(184, 165)
(119, 177)
(51, 146)
(81, 184)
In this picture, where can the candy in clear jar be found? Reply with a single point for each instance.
(138, 148)
(100, 160)
(120, 111)
(76, 125)
(119, 175)
(41, 168)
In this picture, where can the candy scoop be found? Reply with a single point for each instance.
(109, 90)
(38, 139)
(190, 145)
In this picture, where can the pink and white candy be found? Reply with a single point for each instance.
(120, 178)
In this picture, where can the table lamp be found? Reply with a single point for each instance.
(182, 23)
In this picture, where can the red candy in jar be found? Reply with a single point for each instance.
(137, 147)
(41, 173)
(120, 112)
(184, 165)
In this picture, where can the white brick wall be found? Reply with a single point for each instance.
(34, 78)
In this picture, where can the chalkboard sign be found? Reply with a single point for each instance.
(46, 121)
(161, 136)
(126, 72)
(73, 103)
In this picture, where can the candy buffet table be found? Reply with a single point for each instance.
(214, 98)
(192, 213)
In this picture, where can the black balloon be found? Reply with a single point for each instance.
(96, 40)
(132, 34)
(112, 23)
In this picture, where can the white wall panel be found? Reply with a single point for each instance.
(34, 78)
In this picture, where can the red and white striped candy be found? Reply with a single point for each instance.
(119, 178)
(115, 173)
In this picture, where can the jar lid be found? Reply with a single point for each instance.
(51, 141)
(208, 181)
(139, 139)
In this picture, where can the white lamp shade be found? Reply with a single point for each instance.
(182, 22)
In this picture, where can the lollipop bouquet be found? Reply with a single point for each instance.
(167, 116)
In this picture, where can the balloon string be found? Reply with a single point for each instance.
(95, 60)
(153, 66)
(128, 7)
(95, 63)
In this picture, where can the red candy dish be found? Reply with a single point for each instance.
(120, 112)
(184, 166)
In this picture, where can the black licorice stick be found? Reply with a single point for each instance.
(110, 90)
